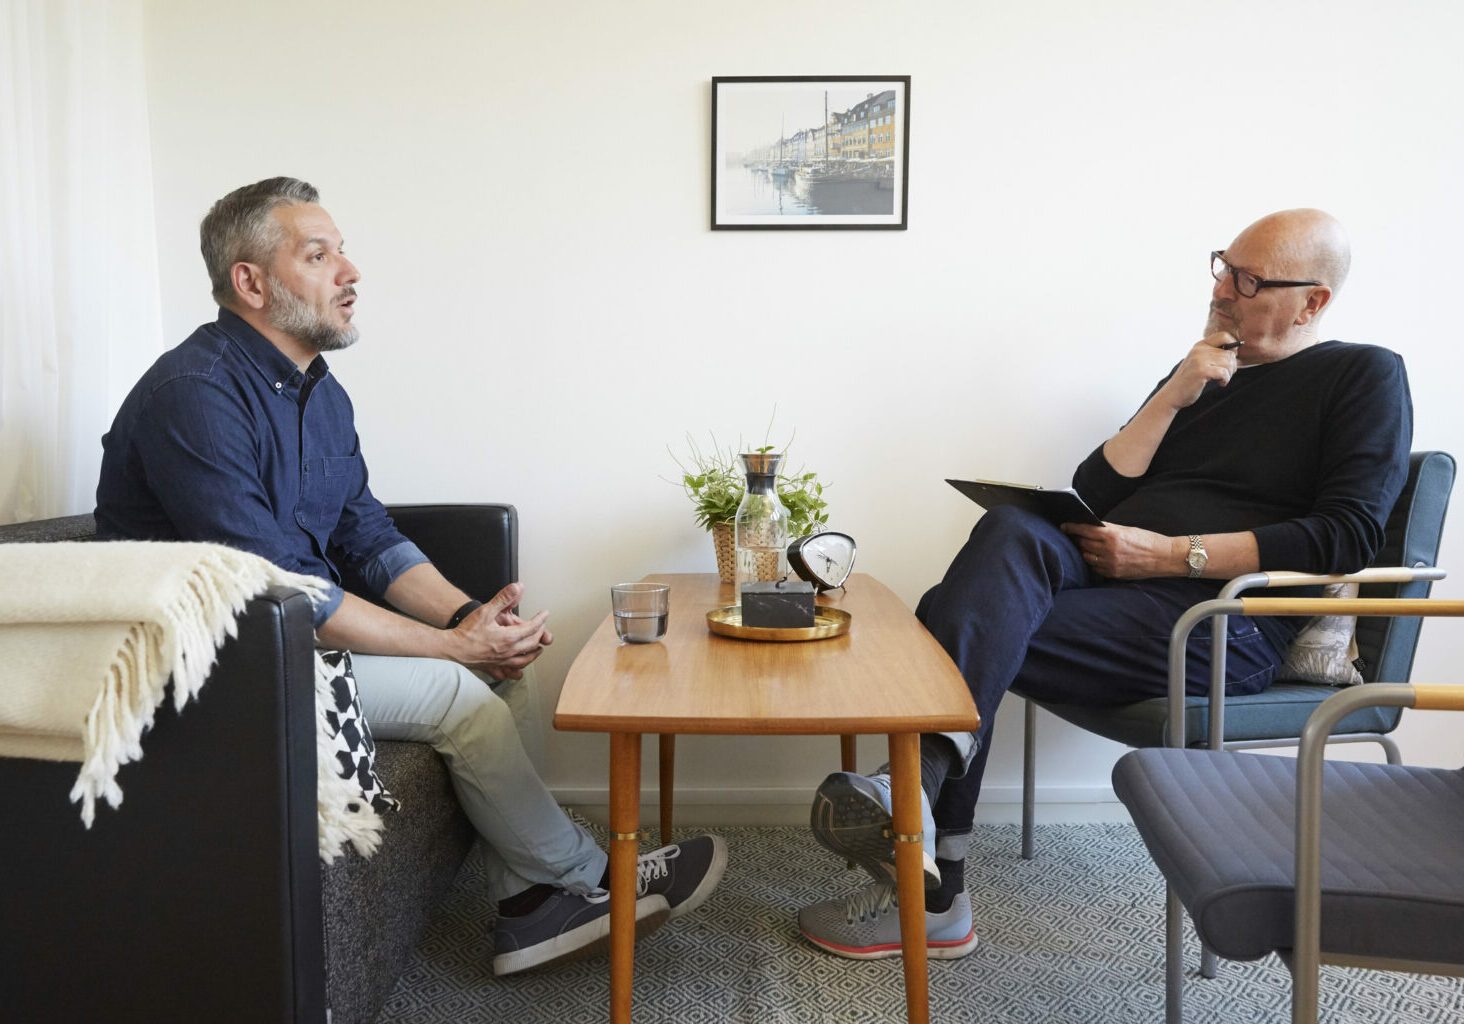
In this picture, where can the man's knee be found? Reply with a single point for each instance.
(1004, 540)
(467, 703)
(1013, 525)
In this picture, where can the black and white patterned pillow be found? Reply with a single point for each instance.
(355, 750)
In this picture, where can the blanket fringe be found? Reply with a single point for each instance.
(184, 645)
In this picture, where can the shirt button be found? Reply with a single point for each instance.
(278, 386)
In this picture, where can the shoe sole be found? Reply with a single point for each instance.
(952, 949)
(849, 819)
(589, 939)
(715, 870)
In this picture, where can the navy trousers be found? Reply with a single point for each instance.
(1019, 609)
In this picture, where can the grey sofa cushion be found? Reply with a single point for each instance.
(425, 844)
(50, 531)
(1220, 825)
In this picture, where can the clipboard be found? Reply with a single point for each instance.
(1056, 506)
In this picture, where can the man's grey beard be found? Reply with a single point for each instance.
(294, 316)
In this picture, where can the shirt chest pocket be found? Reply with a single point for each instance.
(333, 466)
(327, 484)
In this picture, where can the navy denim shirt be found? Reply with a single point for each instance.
(225, 440)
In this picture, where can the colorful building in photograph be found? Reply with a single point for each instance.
(857, 137)
(869, 128)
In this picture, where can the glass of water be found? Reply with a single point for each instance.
(640, 611)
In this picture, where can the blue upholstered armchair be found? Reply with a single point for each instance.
(1404, 568)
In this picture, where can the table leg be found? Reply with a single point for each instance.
(625, 758)
(909, 870)
(666, 756)
(849, 761)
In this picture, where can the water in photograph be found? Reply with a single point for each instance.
(745, 191)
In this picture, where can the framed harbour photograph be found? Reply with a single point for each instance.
(810, 152)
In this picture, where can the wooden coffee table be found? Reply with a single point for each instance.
(887, 675)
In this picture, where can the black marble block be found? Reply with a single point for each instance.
(787, 605)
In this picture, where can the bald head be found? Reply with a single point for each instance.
(1306, 245)
(1300, 258)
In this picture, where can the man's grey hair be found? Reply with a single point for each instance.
(240, 228)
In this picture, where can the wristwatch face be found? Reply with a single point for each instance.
(1197, 559)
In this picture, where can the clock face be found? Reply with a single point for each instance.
(823, 559)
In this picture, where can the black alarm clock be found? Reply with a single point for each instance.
(823, 559)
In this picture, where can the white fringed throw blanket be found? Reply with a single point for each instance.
(90, 634)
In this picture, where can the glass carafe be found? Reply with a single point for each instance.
(762, 522)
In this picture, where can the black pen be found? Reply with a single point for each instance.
(1232, 345)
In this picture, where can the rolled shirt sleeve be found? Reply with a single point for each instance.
(379, 572)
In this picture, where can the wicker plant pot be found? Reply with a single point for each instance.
(724, 541)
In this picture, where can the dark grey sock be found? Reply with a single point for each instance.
(938, 757)
(952, 882)
(525, 902)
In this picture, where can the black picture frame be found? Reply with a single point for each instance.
(805, 152)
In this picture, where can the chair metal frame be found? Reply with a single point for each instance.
(1306, 956)
(1215, 740)
(1404, 546)
(1175, 722)
(1175, 733)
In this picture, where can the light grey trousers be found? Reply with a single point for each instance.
(473, 726)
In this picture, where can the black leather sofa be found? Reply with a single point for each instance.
(202, 898)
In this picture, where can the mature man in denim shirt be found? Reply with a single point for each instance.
(242, 436)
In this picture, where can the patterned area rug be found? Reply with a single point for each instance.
(1072, 937)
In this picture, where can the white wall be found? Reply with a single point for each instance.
(524, 185)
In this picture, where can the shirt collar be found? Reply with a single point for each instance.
(278, 369)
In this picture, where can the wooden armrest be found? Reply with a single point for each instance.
(1387, 606)
(1438, 697)
(1372, 574)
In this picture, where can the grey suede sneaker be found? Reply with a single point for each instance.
(851, 816)
(684, 873)
(567, 927)
(866, 926)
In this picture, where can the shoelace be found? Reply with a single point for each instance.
(871, 902)
(652, 866)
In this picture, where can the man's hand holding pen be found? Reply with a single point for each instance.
(1211, 358)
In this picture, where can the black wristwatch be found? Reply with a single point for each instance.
(462, 613)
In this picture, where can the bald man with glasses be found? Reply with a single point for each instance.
(1264, 447)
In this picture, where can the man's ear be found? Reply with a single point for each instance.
(1316, 301)
(249, 286)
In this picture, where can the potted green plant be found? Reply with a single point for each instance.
(714, 483)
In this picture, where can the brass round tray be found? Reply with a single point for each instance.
(827, 622)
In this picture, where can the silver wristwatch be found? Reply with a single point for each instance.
(1197, 558)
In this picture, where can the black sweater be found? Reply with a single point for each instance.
(1308, 453)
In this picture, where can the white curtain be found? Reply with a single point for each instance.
(79, 309)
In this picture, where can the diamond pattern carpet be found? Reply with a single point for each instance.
(1072, 937)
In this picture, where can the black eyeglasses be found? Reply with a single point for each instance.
(1246, 283)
